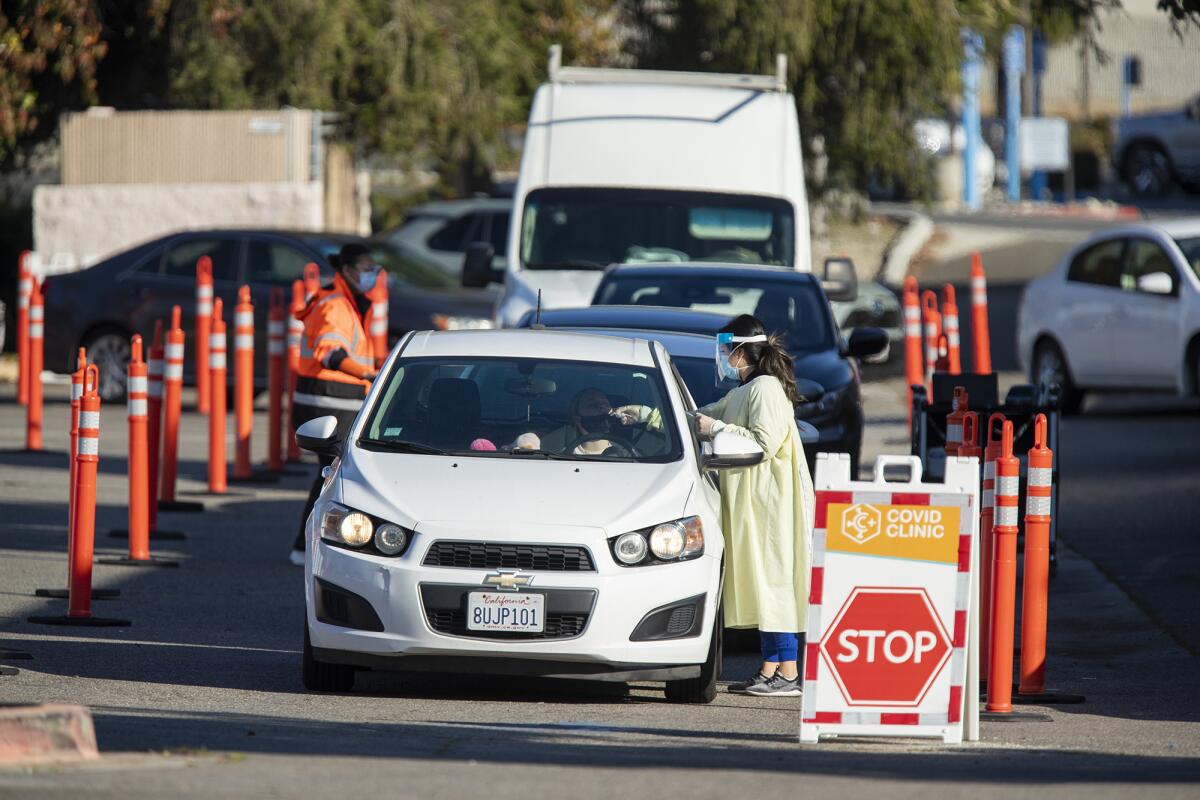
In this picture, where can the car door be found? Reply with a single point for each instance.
(1145, 351)
(176, 283)
(1183, 137)
(1087, 312)
(272, 263)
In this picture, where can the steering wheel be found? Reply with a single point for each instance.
(619, 441)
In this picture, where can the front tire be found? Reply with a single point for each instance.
(108, 348)
(704, 688)
(1050, 369)
(1147, 170)
(321, 677)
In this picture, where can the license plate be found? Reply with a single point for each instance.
(506, 611)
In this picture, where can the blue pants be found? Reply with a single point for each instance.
(778, 647)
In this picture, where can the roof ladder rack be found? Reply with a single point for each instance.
(758, 83)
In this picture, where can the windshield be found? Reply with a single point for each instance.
(1191, 252)
(797, 310)
(524, 408)
(398, 266)
(592, 228)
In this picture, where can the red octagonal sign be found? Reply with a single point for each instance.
(886, 646)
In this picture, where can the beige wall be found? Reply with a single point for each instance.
(100, 146)
(88, 222)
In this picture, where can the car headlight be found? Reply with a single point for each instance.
(678, 540)
(349, 528)
(448, 322)
(630, 548)
(390, 539)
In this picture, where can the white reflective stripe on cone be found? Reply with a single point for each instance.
(321, 401)
(275, 348)
(76, 390)
(174, 372)
(243, 341)
(174, 351)
(25, 285)
(89, 420)
(216, 341)
(204, 309)
(138, 407)
(37, 313)
(954, 433)
(244, 319)
(989, 499)
(1007, 486)
(275, 328)
(137, 384)
(1039, 476)
(88, 446)
(154, 367)
(35, 330)
(1006, 516)
(1037, 506)
(204, 291)
(216, 360)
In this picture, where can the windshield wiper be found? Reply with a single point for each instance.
(567, 263)
(518, 451)
(400, 446)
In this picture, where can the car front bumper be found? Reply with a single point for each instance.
(407, 598)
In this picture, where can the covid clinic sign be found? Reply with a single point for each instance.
(889, 606)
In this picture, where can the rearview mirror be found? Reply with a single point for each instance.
(839, 280)
(731, 450)
(319, 436)
(478, 271)
(1156, 283)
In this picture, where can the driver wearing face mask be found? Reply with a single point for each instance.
(592, 419)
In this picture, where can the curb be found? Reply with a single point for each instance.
(904, 247)
(46, 733)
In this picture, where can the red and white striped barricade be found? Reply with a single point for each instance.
(892, 617)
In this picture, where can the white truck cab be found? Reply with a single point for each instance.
(627, 166)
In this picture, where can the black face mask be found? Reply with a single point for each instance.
(595, 423)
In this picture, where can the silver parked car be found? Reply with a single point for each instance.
(1154, 151)
(437, 234)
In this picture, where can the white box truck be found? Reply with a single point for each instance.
(625, 166)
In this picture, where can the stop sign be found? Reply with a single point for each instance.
(886, 646)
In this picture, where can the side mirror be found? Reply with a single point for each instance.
(809, 391)
(867, 342)
(732, 450)
(478, 271)
(839, 280)
(1156, 283)
(319, 436)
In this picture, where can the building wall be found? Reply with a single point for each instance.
(1076, 85)
(75, 225)
(101, 146)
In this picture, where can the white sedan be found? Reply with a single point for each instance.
(1121, 311)
(521, 502)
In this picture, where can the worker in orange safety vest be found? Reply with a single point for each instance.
(337, 357)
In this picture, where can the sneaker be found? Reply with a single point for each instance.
(296, 557)
(778, 686)
(743, 687)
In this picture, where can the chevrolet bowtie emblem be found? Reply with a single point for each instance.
(508, 579)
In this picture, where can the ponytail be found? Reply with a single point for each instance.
(767, 358)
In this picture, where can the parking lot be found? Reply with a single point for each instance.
(201, 695)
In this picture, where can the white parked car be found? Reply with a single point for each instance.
(1121, 311)
(520, 503)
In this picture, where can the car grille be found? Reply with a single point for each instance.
(493, 555)
(558, 626)
(888, 318)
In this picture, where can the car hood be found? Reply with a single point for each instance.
(825, 367)
(508, 495)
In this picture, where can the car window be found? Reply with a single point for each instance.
(1191, 252)
(799, 311)
(1099, 265)
(453, 236)
(1144, 257)
(408, 270)
(498, 236)
(182, 256)
(275, 262)
(491, 406)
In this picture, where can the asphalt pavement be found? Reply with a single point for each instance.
(201, 697)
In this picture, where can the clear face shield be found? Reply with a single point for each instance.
(727, 343)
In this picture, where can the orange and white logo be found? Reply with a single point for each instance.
(861, 523)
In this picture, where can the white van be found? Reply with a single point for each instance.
(624, 166)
